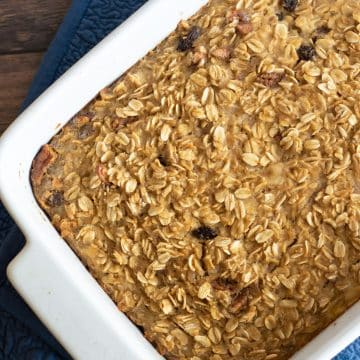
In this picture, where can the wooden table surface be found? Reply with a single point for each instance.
(26, 30)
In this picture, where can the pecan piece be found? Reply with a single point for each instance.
(222, 53)
(81, 120)
(244, 28)
(101, 171)
(41, 163)
(270, 79)
(240, 15)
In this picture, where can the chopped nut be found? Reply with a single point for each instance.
(270, 80)
(101, 172)
(240, 15)
(244, 28)
(222, 53)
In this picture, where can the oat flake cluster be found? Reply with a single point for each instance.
(214, 190)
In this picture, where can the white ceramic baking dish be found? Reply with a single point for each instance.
(46, 273)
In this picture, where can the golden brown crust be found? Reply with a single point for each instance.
(42, 161)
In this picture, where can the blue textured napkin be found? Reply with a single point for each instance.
(22, 336)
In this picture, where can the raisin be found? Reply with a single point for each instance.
(306, 52)
(187, 42)
(204, 233)
(290, 5)
(270, 79)
(56, 199)
(163, 160)
(85, 131)
(280, 16)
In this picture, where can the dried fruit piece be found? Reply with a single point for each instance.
(270, 79)
(41, 163)
(290, 5)
(187, 42)
(163, 160)
(204, 233)
(55, 199)
(306, 52)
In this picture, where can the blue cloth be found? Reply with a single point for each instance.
(22, 336)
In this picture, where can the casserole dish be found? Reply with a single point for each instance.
(46, 273)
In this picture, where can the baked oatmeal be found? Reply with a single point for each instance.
(214, 190)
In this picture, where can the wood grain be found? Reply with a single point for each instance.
(26, 29)
(29, 25)
(16, 73)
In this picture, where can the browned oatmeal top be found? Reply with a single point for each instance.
(213, 190)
